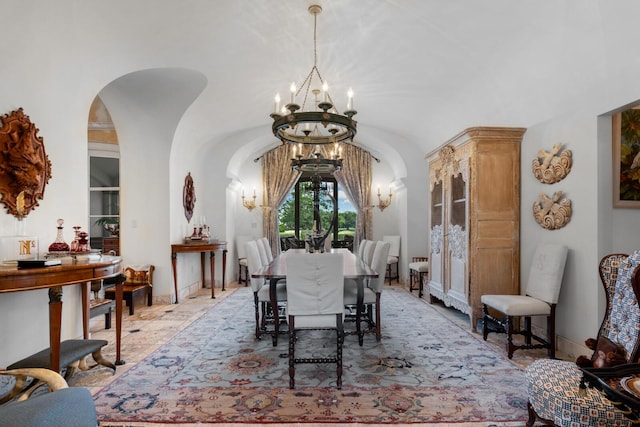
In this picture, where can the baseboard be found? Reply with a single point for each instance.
(565, 348)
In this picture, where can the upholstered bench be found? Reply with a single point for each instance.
(417, 270)
(72, 355)
(63, 406)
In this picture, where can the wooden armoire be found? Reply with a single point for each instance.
(474, 181)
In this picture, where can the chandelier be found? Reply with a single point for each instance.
(316, 163)
(317, 121)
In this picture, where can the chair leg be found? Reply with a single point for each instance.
(340, 337)
(510, 347)
(485, 321)
(421, 285)
(257, 314)
(292, 353)
(389, 273)
(410, 280)
(527, 330)
(378, 329)
(551, 332)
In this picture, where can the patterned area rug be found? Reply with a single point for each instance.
(426, 370)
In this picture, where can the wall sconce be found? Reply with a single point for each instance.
(251, 205)
(383, 203)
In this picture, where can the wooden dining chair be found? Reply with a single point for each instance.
(540, 299)
(315, 301)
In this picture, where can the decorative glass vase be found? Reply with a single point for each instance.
(59, 245)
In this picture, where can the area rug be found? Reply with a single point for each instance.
(426, 370)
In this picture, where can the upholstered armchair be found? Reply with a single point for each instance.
(554, 386)
(62, 406)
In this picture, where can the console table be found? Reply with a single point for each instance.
(54, 278)
(202, 247)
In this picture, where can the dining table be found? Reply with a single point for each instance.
(353, 268)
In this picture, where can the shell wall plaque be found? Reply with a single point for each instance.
(552, 166)
(553, 212)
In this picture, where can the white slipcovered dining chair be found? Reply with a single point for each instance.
(315, 301)
(393, 258)
(373, 290)
(267, 249)
(361, 246)
(260, 288)
(369, 249)
(264, 260)
(540, 299)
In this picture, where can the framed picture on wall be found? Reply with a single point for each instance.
(626, 158)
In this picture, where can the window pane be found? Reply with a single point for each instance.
(104, 172)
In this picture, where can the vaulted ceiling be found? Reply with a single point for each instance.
(421, 70)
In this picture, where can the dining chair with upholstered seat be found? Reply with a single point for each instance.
(242, 259)
(268, 252)
(373, 291)
(261, 297)
(394, 257)
(264, 258)
(361, 246)
(315, 302)
(418, 270)
(369, 249)
(542, 292)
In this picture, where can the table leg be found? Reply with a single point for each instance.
(359, 309)
(55, 326)
(202, 257)
(212, 262)
(224, 266)
(273, 297)
(119, 283)
(174, 256)
(86, 303)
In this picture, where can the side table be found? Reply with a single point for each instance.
(203, 248)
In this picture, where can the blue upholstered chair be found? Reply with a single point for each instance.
(62, 406)
(555, 396)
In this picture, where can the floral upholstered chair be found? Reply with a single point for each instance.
(555, 395)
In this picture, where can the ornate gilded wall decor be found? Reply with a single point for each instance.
(188, 197)
(553, 212)
(552, 166)
(25, 168)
